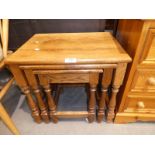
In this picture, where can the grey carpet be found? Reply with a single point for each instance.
(69, 99)
(73, 98)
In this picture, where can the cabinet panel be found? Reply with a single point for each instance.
(137, 101)
(149, 49)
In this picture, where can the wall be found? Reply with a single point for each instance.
(20, 30)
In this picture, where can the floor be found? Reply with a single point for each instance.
(15, 104)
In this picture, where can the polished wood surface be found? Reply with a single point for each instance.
(72, 114)
(79, 48)
(48, 59)
(138, 97)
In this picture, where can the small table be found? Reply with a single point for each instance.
(69, 58)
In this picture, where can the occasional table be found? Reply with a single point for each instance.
(58, 58)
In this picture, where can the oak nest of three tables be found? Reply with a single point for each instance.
(69, 58)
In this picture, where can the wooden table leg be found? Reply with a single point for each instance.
(33, 83)
(92, 100)
(7, 120)
(106, 80)
(20, 79)
(50, 100)
(117, 82)
(42, 105)
(91, 106)
(59, 90)
(32, 104)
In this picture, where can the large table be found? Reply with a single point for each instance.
(58, 58)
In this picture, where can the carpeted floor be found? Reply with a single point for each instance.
(16, 106)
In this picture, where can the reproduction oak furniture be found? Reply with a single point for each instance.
(137, 103)
(4, 26)
(47, 59)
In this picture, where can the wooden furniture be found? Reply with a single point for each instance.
(4, 24)
(137, 103)
(68, 58)
(69, 76)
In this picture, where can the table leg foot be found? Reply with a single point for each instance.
(91, 118)
(100, 117)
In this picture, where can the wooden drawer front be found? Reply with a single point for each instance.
(140, 104)
(68, 78)
(149, 49)
(65, 78)
(144, 80)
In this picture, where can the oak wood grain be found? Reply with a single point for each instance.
(95, 47)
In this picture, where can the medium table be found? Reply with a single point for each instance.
(69, 58)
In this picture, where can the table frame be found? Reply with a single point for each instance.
(112, 73)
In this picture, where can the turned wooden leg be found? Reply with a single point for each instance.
(31, 78)
(101, 108)
(7, 120)
(51, 103)
(59, 90)
(93, 81)
(106, 80)
(42, 105)
(117, 82)
(92, 103)
(112, 105)
(32, 105)
(22, 82)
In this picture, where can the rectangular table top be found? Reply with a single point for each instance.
(66, 48)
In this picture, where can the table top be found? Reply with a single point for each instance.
(66, 48)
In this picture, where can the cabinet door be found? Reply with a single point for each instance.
(149, 48)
